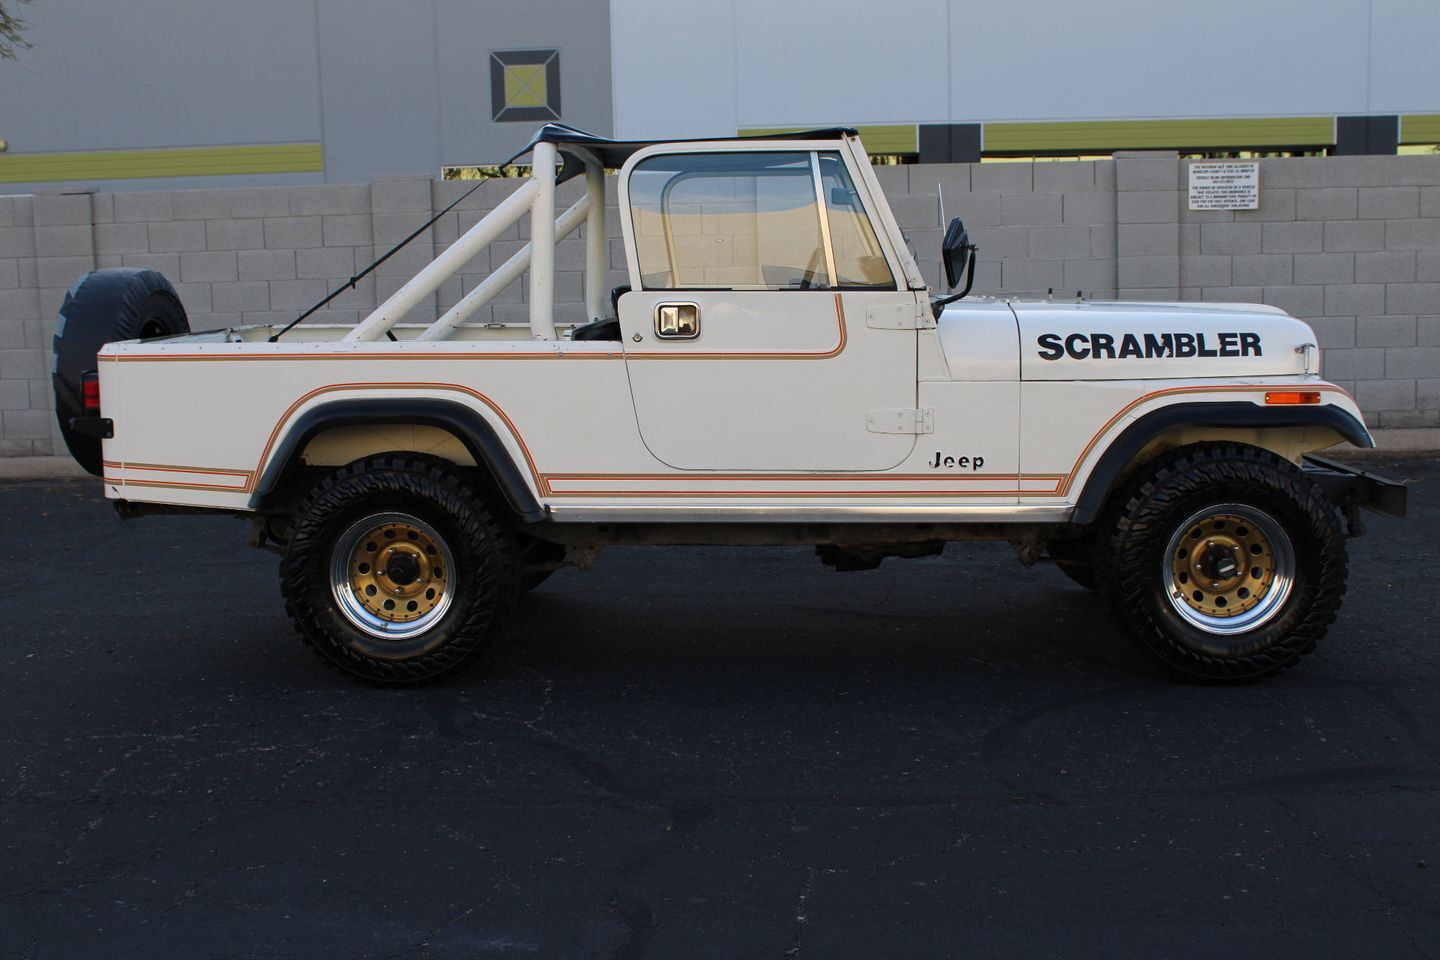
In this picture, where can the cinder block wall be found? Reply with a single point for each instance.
(1351, 244)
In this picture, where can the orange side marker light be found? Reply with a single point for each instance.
(1292, 397)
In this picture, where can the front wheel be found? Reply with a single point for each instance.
(396, 571)
(1225, 561)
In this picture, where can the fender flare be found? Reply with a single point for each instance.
(1133, 438)
(467, 424)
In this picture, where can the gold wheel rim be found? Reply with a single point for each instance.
(396, 572)
(1222, 566)
(392, 576)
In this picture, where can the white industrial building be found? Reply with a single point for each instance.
(165, 93)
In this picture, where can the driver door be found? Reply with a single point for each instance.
(767, 329)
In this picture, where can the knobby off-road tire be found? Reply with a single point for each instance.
(397, 571)
(102, 307)
(1225, 561)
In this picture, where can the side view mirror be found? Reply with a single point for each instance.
(956, 251)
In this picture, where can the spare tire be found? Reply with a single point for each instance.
(104, 306)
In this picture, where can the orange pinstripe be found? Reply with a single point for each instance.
(1063, 482)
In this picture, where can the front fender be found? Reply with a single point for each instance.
(1133, 439)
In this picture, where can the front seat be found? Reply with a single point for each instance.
(607, 328)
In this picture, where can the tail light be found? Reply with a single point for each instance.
(90, 393)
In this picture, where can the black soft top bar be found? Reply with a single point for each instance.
(614, 153)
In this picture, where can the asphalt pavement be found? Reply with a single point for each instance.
(695, 753)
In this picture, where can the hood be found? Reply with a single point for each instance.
(1152, 341)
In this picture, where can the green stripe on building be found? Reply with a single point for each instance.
(1103, 136)
(178, 162)
(892, 138)
(1420, 128)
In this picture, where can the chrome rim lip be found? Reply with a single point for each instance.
(1264, 611)
(350, 606)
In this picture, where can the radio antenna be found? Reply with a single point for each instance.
(941, 191)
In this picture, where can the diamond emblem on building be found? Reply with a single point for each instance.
(524, 85)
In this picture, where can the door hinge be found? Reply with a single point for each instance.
(899, 316)
(906, 420)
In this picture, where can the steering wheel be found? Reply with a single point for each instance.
(812, 269)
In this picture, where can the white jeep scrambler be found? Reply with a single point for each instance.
(774, 372)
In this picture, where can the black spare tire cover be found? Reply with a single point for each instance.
(103, 306)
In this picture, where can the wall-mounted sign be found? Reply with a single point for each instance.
(1225, 185)
(525, 85)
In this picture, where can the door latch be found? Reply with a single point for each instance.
(678, 320)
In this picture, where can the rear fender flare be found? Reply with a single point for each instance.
(468, 425)
(1132, 440)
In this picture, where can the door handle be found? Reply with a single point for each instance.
(677, 320)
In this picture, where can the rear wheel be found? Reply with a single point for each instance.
(396, 571)
(1225, 561)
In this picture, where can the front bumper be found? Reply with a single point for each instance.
(1352, 489)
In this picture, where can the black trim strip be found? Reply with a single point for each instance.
(469, 426)
(1128, 445)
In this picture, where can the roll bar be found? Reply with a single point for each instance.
(537, 198)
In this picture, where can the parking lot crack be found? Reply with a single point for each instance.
(802, 915)
(1392, 707)
(1392, 904)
